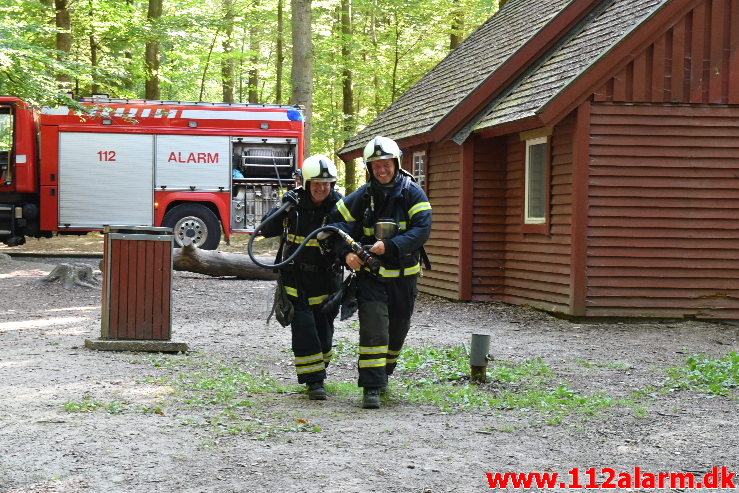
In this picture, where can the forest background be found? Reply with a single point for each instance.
(343, 60)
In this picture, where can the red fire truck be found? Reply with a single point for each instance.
(194, 167)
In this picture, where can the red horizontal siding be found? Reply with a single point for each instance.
(694, 61)
(662, 219)
(443, 192)
(488, 219)
(537, 266)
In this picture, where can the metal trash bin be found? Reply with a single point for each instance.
(137, 283)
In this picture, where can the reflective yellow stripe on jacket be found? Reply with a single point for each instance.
(421, 206)
(299, 239)
(317, 300)
(313, 300)
(341, 207)
(408, 271)
(291, 291)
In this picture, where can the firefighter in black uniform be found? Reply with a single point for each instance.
(392, 216)
(313, 275)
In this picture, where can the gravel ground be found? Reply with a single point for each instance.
(147, 438)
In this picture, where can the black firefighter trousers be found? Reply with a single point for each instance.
(312, 337)
(385, 308)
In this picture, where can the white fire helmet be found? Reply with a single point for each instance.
(319, 168)
(382, 148)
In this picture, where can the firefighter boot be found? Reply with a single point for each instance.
(371, 399)
(316, 391)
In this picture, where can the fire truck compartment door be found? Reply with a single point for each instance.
(105, 178)
(193, 162)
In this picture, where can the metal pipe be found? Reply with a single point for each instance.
(479, 357)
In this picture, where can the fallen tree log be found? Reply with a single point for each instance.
(220, 264)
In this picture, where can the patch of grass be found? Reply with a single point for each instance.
(342, 389)
(440, 377)
(343, 348)
(506, 428)
(439, 364)
(87, 405)
(711, 376)
(151, 410)
(640, 412)
(115, 407)
(229, 399)
(610, 365)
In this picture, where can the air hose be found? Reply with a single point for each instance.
(369, 259)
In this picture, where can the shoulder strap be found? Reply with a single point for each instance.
(283, 239)
(407, 180)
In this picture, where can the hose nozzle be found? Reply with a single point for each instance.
(372, 262)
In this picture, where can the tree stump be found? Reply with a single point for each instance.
(71, 275)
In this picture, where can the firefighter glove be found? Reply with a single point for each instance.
(291, 197)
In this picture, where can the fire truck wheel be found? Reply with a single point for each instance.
(194, 221)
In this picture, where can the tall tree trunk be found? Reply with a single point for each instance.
(302, 66)
(375, 44)
(94, 87)
(63, 23)
(153, 91)
(227, 63)
(396, 61)
(242, 52)
(455, 37)
(207, 65)
(254, 59)
(280, 51)
(349, 125)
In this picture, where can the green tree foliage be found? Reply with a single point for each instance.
(393, 43)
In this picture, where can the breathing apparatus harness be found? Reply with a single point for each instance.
(386, 228)
(370, 260)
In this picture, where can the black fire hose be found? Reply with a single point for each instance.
(369, 259)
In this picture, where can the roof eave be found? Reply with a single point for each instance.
(512, 127)
(404, 143)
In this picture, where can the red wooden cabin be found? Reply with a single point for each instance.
(582, 157)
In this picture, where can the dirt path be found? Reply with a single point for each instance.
(144, 433)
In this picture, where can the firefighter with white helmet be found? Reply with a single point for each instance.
(313, 275)
(392, 216)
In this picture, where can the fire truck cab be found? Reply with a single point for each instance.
(195, 167)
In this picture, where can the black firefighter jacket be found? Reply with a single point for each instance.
(403, 201)
(313, 275)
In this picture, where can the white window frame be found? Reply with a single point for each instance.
(542, 180)
(419, 172)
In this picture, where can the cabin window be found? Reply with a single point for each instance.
(419, 168)
(535, 196)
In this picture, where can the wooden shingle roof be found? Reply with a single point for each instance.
(602, 30)
(464, 69)
(521, 60)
